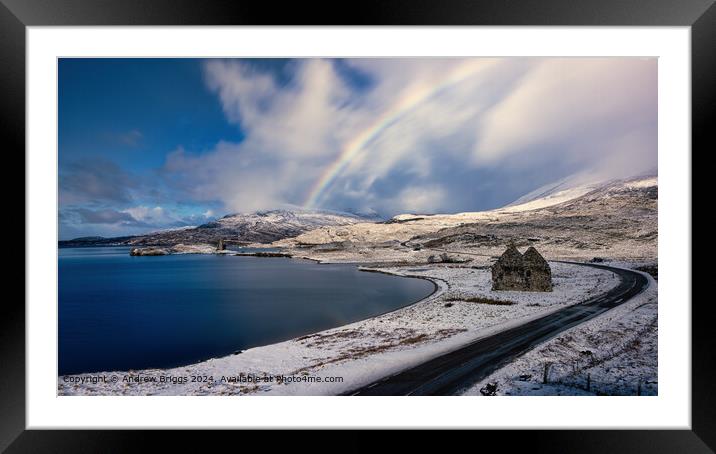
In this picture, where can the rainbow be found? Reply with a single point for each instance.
(402, 107)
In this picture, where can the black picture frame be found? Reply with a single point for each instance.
(16, 15)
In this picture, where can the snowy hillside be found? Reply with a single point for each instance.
(570, 188)
(293, 219)
(615, 218)
(558, 191)
(257, 227)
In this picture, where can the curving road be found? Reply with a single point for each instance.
(454, 371)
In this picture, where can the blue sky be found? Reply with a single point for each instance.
(147, 144)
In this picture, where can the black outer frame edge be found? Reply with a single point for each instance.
(701, 14)
(12, 314)
(703, 339)
(557, 441)
(367, 12)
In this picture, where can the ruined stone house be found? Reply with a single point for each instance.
(528, 273)
(538, 275)
(508, 271)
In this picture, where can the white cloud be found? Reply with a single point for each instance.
(582, 105)
(432, 118)
(420, 199)
(150, 215)
(304, 118)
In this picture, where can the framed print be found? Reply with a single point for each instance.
(418, 217)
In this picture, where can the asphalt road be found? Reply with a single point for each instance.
(450, 373)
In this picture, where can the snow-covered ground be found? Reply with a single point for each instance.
(612, 354)
(354, 355)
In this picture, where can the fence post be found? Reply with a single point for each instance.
(545, 374)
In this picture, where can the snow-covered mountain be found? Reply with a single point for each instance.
(568, 188)
(614, 218)
(556, 192)
(257, 227)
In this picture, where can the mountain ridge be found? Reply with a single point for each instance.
(263, 226)
(615, 217)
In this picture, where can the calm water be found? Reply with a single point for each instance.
(118, 312)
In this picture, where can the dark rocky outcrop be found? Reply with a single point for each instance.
(150, 251)
(445, 258)
(94, 241)
(269, 254)
(401, 221)
(490, 389)
(334, 246)
(465, 238)
(653, 270)
(176, 249)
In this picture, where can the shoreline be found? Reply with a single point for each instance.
(434, 293)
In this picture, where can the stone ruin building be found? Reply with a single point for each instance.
(538, 274)
(528, 272)
(508, 272)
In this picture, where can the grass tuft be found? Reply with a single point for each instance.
(481, 300)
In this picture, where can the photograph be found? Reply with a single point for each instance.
(393, 226)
